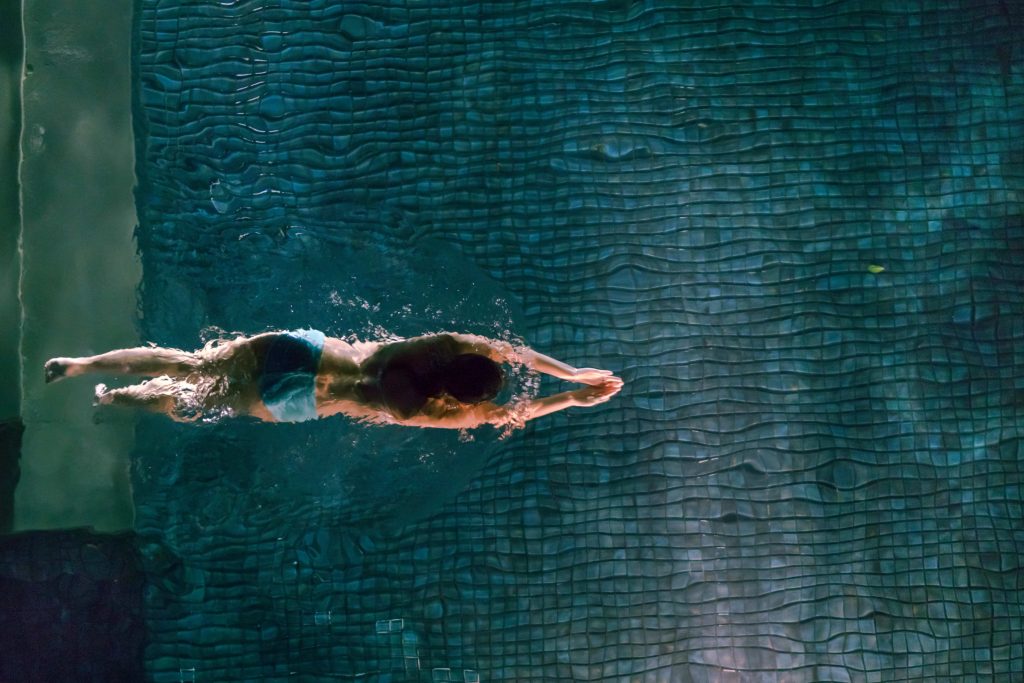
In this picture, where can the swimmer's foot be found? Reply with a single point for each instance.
(56, 368)
(102, 396)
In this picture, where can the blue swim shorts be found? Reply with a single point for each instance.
(288, 381)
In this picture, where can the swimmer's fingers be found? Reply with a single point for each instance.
(597, 394)
(611, 386)
(592, 376)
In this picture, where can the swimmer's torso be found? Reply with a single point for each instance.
(339, 376)
(345, 378)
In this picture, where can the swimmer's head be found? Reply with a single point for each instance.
(472, 378)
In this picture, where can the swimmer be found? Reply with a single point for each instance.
(437, 380)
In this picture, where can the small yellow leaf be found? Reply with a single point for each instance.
(875, 270)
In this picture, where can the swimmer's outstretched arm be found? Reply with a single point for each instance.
(556, 368)
(586, 397)
(501, 351)
(489, 413)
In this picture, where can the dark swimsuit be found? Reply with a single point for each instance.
(288, 379)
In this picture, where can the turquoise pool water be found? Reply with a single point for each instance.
(794, 229)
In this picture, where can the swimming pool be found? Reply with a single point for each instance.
(793, 229)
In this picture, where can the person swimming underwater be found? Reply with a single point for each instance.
(442, 380)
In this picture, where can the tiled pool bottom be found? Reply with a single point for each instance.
(794, 230)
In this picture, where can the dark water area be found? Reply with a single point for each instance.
(72, 607)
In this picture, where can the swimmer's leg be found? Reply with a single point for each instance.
(160, 395)
(140, 361)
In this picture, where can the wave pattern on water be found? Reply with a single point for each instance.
(794, 228)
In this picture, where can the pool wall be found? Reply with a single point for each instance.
(78, 270)
(794, 229)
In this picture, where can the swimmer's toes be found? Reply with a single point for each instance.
(101, 394)
(55, 369)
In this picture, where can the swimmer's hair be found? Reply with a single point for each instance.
(401, 392)
(472, 378)
(468, 378)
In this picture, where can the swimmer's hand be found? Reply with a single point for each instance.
(598, 393)
(593, 376)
